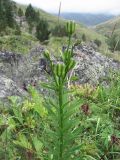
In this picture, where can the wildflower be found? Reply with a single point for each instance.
(115, 140)
(86, 109)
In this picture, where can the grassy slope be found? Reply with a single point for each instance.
(107, 27)
(54, 42)
(19, 44)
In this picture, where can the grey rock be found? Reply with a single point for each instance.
(92, 66)
(9, 88)
(18, 71)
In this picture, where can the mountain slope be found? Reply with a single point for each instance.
(24, 42)
(87, 18)
(110, 26)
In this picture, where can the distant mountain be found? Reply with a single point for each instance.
(86, 18)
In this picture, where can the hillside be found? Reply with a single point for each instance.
(108, 27)
(52, 19)
(87, 18)
(59, 95)
(19, 44)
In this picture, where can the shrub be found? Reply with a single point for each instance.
(17, 30)
(59, 31)
(6, 15)
(42, 30)
(32, 17)
(20, 12)
(84, 38)
(114, 43)
(97, 42)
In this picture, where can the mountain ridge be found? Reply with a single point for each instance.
(88, 19)
(109, 26)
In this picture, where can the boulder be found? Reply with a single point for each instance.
(92, 65)
(17, 71)
(9, 88)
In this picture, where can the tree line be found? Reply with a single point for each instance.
(36, 23)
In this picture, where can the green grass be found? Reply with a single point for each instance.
(24, 43)
(18, 43)
(108, 27)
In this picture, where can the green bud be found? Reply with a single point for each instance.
(70, 27)
(67, 55)
(47, 54)
(55, 69)
(59, 69)
(72, 64)
(63, 71)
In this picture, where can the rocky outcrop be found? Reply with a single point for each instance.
(9, 88)
(92, 65)
(18, 71)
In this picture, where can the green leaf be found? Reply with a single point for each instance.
(23, 142)
(37, 144)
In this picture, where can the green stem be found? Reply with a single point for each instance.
(69, 42)
(61, 118)
(6, 141)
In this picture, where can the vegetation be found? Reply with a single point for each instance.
(59, 31)
(6, 14)
(42, 30)
(109, 27)
(112, 32)
(114, 43)
(55, 39)
(18, 43)
(97, 42)
(32, 17)
(84, 37)
(70, 122)
(20, 12)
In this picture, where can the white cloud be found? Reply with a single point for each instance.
(92, 6)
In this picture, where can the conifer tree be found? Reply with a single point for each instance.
(6, 14)
(30, 15)
(42, 30)
(20, 12)
(9, 14)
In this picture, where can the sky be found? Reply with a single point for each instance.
(83, 6)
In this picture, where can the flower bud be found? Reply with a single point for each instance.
(55, 69)
(47, 54)
(59, 69)
(71, 64)
(70, 27)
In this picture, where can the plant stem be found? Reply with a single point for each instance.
(60, 94)
(69, 42)
(6, 141)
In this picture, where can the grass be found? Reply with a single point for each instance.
(76, 122)
(25, 42)
(107, 27)
(18, 43)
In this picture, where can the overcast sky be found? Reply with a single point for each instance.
(86, 6)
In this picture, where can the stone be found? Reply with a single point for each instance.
(17, 69)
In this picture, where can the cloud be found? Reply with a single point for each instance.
(89, 6)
